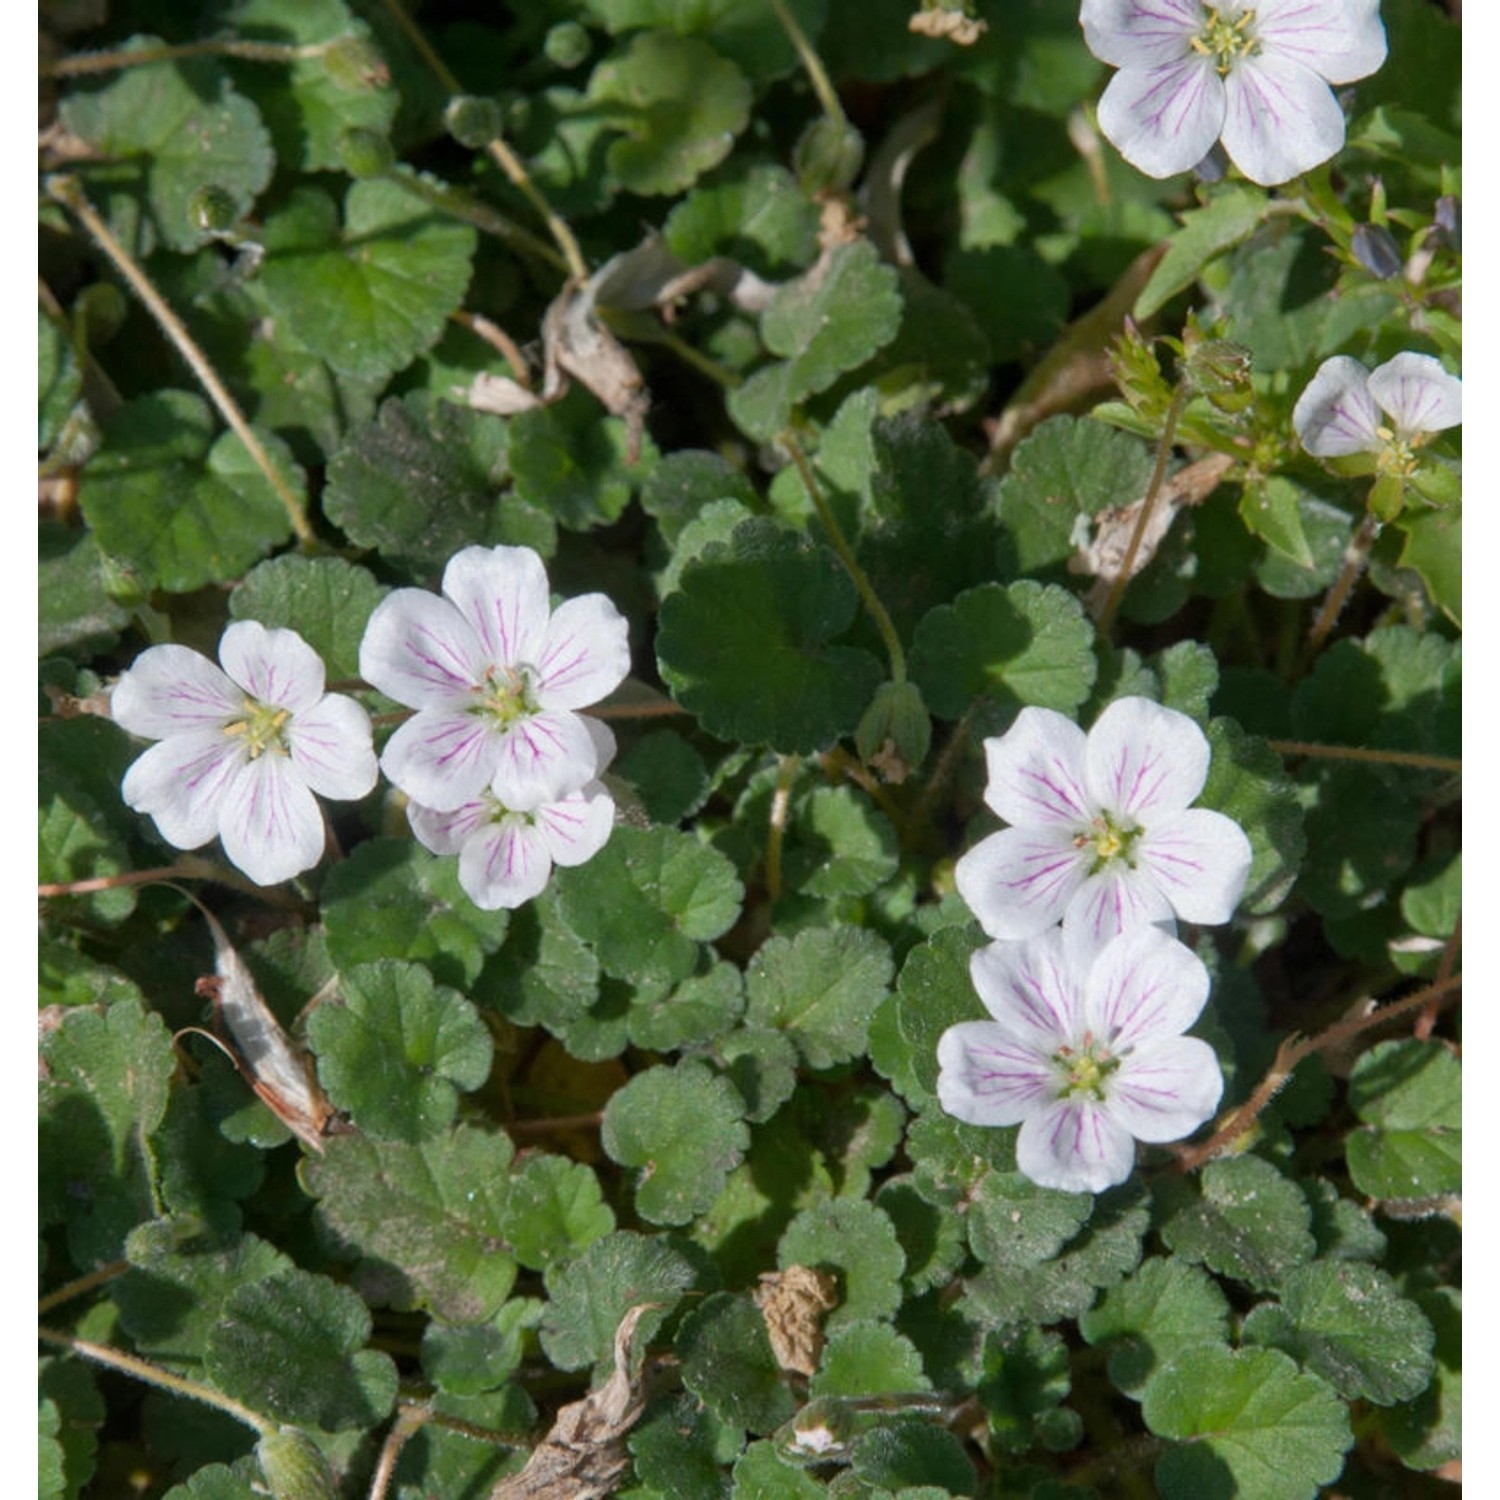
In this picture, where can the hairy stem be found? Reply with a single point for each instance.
(1415, 758)
(1356, 555)
(235, 47)
(817, 74)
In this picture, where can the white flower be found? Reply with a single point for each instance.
(1087, 1057)
(495, 676)
(1252, 73)
(243, 750)
(1102, 833)
(505, 854)
(1340, 411)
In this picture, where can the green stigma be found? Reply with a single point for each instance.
(1086, 1072)
(262, 726)
(507, 698)
(1109, 841)
(1226, 41)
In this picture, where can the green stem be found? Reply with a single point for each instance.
(245, 51)
(460, 205)
(81, 1285)
(130, 1364)
(1356, 555)
(65, 190)
(1378, 757)
(817, 74)
(781, 801)
(846, 556)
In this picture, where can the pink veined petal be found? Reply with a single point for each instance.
(1109, 903)
(1336, 415)
(1340, 39)
(1075, 1145)
(543, 757)
(1018, 882)
(332, 750)
(1164, 119)
(448, 832)
(1144, 987)
(273, 666)
(173, 690)
(501, 592)
(986, 1078)
(604, 741)
(585, 655)
(1282, 119)
(442, 760)
(1036, 776)
(1032, 991)
(1419, 393)
(1200, 860)
(269, 823)
(1167, 1090)
(576, 827)
(504, 864)
(1143, 760)
(419, 650)
(1139, 33)
(181, 783)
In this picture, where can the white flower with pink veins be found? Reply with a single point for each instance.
(1103, 835)
(1255, 75)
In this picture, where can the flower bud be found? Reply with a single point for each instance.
(567, 45)
(827, 156)
(1448, 216)
(354, 62)
(99, 310)
(1387, 497)
(365, 153)
(473, 121)
(894, 735)
(1373, 247)
(294, 1467)
(1220, 370)
(212, 210)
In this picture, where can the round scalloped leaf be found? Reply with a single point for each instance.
(470, 1358)
(292, 1347)
(544, 974)
(398, 1051)
(217, 1482)
(1433, 550)
(702, 1006)
(680, 1448)
(908, 1455)
(761, 1474)
(1428, 1432)
(1165, 1307)
(73, 611)
(648, 899)
(868, 1359)
(187, 128)
(761, 219)
(935, 992)
(742, 642)
(681, 484)
(684, 1128)
(554, 1211)
(590, 1295)
(931, 1238)
(855, 1240)
(821, 988)
(75, 841)
(1013, 1222)
(728, 1364)
(1346, 1322)
(176, 507)
(1026, 643)
(326, 600)
(1248, 1423)
(749, 33)
(426, 1222)
(680, 106)
(369, 297)
(762, 1064)
(1410, 1144)
(839, 844)
(1025, 1379)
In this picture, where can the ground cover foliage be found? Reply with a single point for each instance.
(885, 400)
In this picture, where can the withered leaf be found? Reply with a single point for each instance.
(793, 1302)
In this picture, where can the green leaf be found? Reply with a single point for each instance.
(680, 1447)
(679, 104)
(544, 973)
(1433, 550)
(683, 1127)
(326, 600)
(702, 1006)
(179, 508)
(1248, 1424)
(935, 992)
(854, 1240)
(1246, 1221)
(555, 1210)
(59, 380)
(397, 1052)
(1410, 1144)
(741, 29)
(76, 842)
(1025, 1378)
(904, 1455)
(868, 1359)
(760, 219)
(931, 1237)
(426, 1222)
(1271, 509)
(1012, 1221)
(760, 1474)
(467, 1359)
(1145, 1321)
(727, 1363)
(839, 844)
(1232, 214)
(668, 774)
(762, 1065)
(647, 900)
(1428, 1431)
(821, 988)
(71, 1411)
(1028, 643)
(1346, 1322)
(74, 612)
(742, 644)
(291, 1346)
(369, 297)
(681, 484)
(187, 128)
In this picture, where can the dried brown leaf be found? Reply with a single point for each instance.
(793, 1303)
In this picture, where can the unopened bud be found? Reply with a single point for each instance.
(99, 310)
(473, 120)
(365, 153)
(1387, 497)
(567, 45)
(294, 1467)
(896, 731)
(1373, 247)
(212, 210)
(1448, 216)
(827, 156)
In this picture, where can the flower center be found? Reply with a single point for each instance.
(262, 725)
(1109, 841)
(1084, 1071)
(1399, 454)
(507, 695)
(1226, 40)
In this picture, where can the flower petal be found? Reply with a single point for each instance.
(1142, 988)
(173, 690)
(273, 666)
(331, 748)
(543, 757)
(1143, 760)
(1036, 772)
(505, 864)
(1281, 119)
(419, 650)
(1109, 903)
(1018, 882)
(1032, 991)
(181, 782)
(1075, 1145)
(1164, 119)
(442, 760)
(448, 832)
(1139, 33)
(1339, 39)
(586, 653)
(1200, 860)
(1419, 393)
(1336, 415)
(269, 823)
(501, 593)
(576, 827)
(1167, 1090)
(987, 1078)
